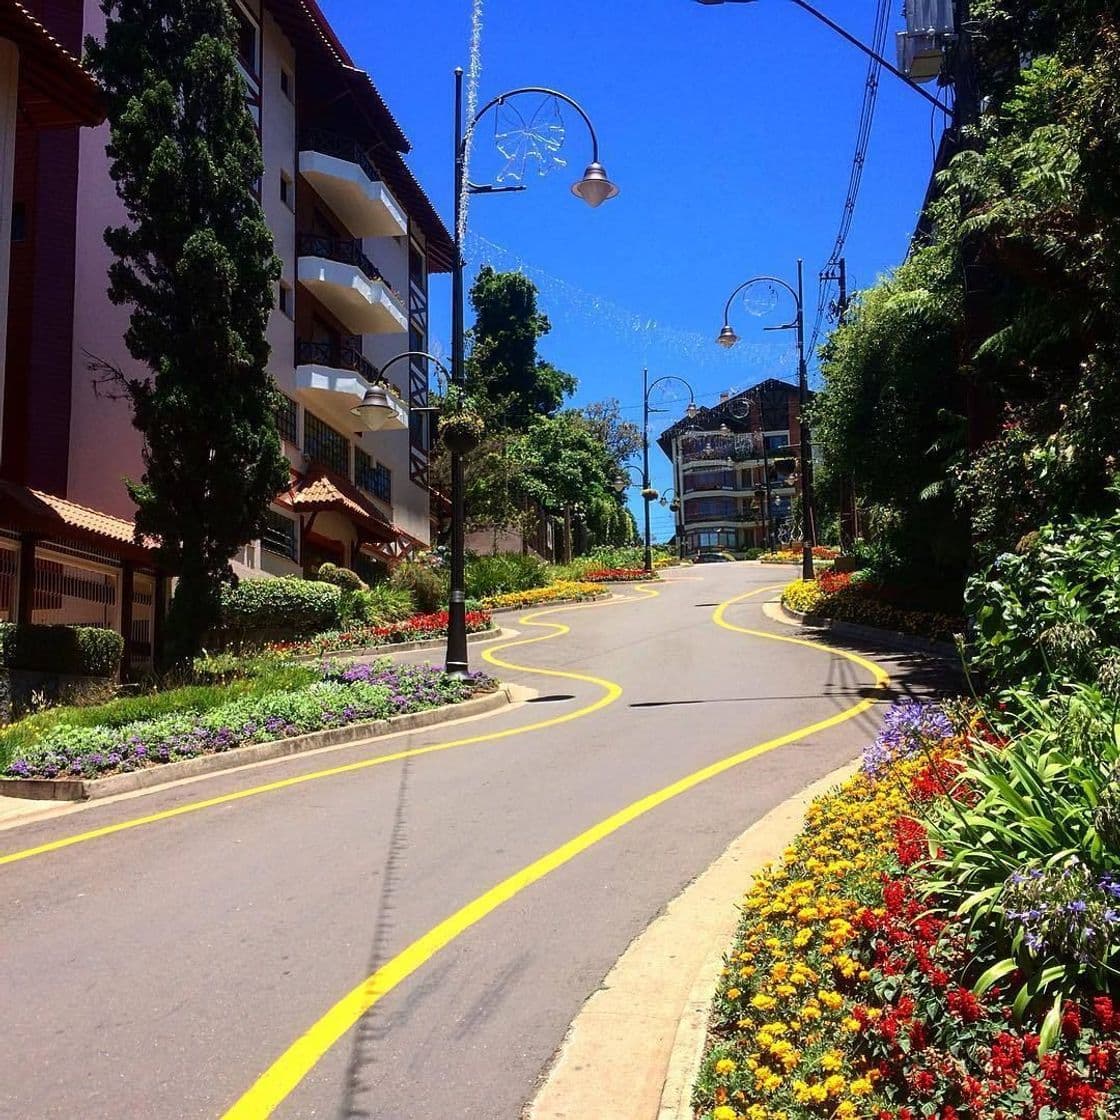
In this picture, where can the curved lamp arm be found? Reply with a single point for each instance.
(502, 97)
(758, 280)
(691, 410)
(414, 354)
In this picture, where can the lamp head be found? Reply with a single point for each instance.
(620, 484)
(727, 336)
(691, 411)
(594, 188)
(376, 410)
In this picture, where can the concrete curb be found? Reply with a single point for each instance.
(634, 1049)
(398, 647)
(84, 789)
(891, 639)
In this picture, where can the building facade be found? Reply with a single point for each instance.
(357, 238)
(734, 469)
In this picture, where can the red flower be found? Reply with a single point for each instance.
(1103, 1010)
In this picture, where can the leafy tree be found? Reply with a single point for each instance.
(195, 263)
(503, 367)
(622, 438)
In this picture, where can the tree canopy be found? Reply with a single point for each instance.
(195, 263)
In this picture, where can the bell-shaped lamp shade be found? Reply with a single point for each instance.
(620, 484)
(378, 412)
(727, 336)
(690, 412)
(594, 188)
(675, 505)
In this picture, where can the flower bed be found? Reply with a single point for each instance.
(834, 595)
(852, 994)
(617, 575)
(793, 555)
(415, 629)
(341, 696)
(564, 591)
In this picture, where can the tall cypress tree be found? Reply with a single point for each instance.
(196, 265)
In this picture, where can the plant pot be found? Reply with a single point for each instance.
(461, 432)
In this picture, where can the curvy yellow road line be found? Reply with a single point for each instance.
(282, 1077)
(611, 692)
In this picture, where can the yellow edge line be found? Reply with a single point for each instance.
(611, 694)
(282, 1077)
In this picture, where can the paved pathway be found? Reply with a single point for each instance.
(192, 963)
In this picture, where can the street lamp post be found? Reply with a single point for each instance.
(674, 504)
(728, 338)
(648, 493)
(594, 188)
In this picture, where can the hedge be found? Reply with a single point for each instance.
(287, 607)
(84, 651)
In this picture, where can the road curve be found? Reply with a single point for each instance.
(172, 968)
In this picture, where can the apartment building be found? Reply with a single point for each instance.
(358, 239)
(734, 469)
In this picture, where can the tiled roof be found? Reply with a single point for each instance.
(320, 489)
(49, 513)
(54, 88)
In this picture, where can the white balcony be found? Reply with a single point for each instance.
(331, 380)
(345, 281)
(347, 182)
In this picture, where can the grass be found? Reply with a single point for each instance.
(262, 676)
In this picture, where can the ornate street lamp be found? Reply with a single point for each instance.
(594, 188)
(727, 337)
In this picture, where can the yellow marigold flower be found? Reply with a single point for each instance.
(861, 1087)
(851, 1025)
(845, 1110)
(724, 1112)
(725, 1066)
(764, 1002)
(832, 1000)
(734, 993)
(831, 1061)
(834, 1085)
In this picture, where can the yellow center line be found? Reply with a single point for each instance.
(611, 692)
(285, 1074)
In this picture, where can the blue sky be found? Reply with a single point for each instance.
(730, 132)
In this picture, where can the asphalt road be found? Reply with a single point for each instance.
(159, 971)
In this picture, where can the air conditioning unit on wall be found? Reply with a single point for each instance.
(921, 47)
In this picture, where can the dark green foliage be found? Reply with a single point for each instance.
(278, 609)
(196, 266)
(428, 586)
(383, 604)
(89, 651)
(342, 578)
(504, 367)
(1049, 615)
(506, 571)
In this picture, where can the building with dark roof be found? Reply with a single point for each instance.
(734, 469)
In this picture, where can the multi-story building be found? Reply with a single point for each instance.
(358, 239)
(734, 469)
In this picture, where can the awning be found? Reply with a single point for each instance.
(47, 515)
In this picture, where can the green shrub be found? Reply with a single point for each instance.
(752, 553)
(217, 668)
(383, 604)
(90, 651)
(342, 578)
(1049, 615)
(429, 586)
(279, 608)
(506, 571)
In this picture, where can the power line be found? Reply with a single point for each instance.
(855, 178)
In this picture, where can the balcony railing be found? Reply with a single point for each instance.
(341, 147)
(345, 250)
(344, 354)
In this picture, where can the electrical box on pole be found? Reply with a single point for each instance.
(930, 27)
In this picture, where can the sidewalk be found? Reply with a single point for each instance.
(634, 1050)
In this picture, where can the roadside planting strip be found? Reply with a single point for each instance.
(284, 1075)
(611, 693)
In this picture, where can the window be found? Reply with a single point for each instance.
(774, 442)
(19, 221)
(286, 418)
(279, 535)
(376, 478)
(287, 191)
(322, 444)
(285, 303)
(417, 268)
(285, 83)
(248, 41)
